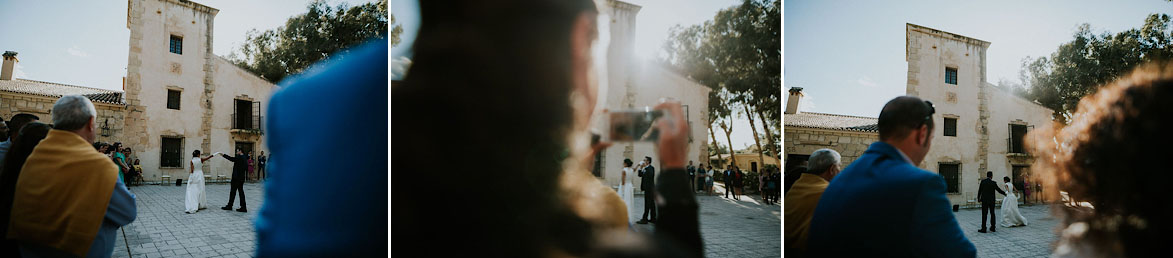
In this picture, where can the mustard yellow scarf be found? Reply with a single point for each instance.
(62, 194)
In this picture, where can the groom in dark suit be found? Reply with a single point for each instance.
(986, 196)
(239, 172)
(648, 184)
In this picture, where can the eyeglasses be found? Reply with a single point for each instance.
(932, 110)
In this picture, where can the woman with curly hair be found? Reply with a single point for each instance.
(1106, 165)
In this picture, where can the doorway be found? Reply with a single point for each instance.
(246, 147)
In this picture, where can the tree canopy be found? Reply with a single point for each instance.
(313, 36)
(739, 52)
(1089, 60)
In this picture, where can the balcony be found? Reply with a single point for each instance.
(248, 124)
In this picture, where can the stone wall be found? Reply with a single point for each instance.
(41, 106)
(849, 144)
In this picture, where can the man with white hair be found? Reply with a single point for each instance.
(804, 196)
(68, 200)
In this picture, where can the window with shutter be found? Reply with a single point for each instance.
(950, 126)
(171, 154)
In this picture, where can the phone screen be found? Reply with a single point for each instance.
(634, 126)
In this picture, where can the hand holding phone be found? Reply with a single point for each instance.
(634, 125)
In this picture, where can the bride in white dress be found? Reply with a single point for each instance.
(196, 199)
(1011, 217)
(626, 191)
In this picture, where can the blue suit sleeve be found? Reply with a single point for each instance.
(121, 210)
(935, 229)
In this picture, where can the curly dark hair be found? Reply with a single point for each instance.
(1109, 157)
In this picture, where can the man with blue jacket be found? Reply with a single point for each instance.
(883, 204)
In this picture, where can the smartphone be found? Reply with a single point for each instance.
(633, 125)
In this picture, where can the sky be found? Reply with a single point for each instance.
(848, 56)
(85, 43)
(653, 22)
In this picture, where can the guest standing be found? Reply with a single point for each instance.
(21, 147)
(883, 204)
(804, 197)
(261, 162)
(68, 200)
(12, 130)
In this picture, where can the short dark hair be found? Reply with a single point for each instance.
(903, 114)
(649, 159)
(989, 173)
(18, 121)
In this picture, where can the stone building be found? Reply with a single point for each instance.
(181, 97)
(806, 132)
(37, 98)
(747, 161)
(631, 84)
(978, 127)
(178, 97)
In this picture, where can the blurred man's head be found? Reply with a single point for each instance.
(76, 114)
(989, 174)
(18, 121)
(906, 123)
(825, 163)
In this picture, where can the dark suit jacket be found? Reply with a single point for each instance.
(239, 166)
(986, 191)
(886, 207)
(649, 175)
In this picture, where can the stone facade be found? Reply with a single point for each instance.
(209, 88)
(41, 106)
(983, 113)
(803, 141)
(630, 84)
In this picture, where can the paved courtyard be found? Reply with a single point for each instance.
(1033, 240)
(745, 228)
(162, 229)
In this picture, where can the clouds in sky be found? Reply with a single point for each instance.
(76, 51)
(866, 82)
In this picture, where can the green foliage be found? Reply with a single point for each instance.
(738, 51)
(1088, 61)
(307, 38)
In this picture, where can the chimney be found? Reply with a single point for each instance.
(792, 103)
(9, 64)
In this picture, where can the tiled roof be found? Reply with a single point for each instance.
(831, 121)
(56, 90)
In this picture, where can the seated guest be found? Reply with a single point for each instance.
(1108, 160)
(882, 203)
(804, 196)
(68, 200)
(22, 146)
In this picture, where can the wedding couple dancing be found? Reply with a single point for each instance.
(196, 198)
(1011, 217)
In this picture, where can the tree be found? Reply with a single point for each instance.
(313, 36)
(1088, 61)
(396, 29)
(739, 51)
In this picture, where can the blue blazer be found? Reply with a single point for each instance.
(883, 206)
(327, 131)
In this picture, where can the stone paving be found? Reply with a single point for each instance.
(731, 228)
(162, 229)
(1033, 240)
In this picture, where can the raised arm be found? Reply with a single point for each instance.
(936, 232)
(230, 158)
(207, 158)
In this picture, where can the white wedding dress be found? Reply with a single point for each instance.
(1011, 217)
(627, 193)
(196, 199)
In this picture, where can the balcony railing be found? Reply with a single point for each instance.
(251, 125)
